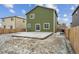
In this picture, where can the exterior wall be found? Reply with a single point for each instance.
(20, 23)
(42, 16)
(16, 23)
(75, 19)
(7, 22)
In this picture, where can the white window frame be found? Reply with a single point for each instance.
(33, 16)
(29, 26)
(48, 26)
(76, 12)
(35, 27)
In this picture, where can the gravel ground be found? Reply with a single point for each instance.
(55, 44)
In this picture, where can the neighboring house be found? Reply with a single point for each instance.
(0, 23)
(41, 19)
(75, 17)
(14, 22)
(61, 27)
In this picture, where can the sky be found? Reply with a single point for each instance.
(64, 11)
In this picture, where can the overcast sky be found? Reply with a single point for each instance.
(64, 10)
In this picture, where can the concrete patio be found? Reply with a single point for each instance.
(34, 35)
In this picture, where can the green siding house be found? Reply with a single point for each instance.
(41, 19)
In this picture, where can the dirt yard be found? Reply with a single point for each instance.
(55, 44)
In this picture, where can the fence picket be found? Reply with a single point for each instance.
(73, 35)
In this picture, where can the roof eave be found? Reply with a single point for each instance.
(75, 10)
(43, 7)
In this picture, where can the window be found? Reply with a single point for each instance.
(37, 27)
(46, 26)
(76, 12)
(11, 27)
(32, 16)
(4, 26)
(11, 19)
(29, 25)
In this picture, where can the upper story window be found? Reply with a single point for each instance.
(32, 16)
(46, 25)
(76, 12)
(11, 19)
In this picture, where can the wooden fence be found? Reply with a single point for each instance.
(73, 35)
(5, 31)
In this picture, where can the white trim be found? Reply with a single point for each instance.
(32, 14)
(35, 27)
(76, 12)
(48, 26)
(29, 25)
(54, 19)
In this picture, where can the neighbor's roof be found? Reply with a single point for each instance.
(42, 7)
(75, 10)
(13, 16)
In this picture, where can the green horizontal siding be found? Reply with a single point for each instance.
(42, 16)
